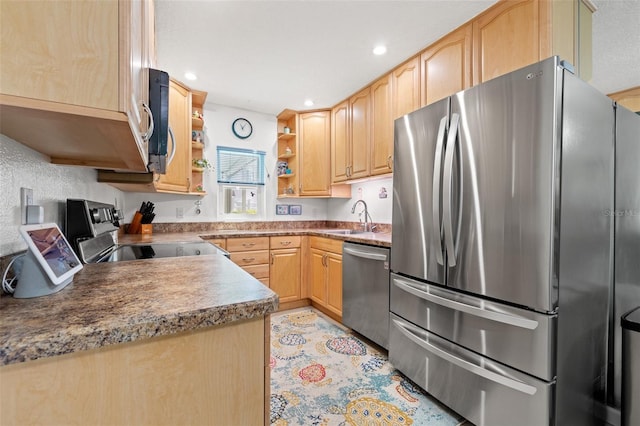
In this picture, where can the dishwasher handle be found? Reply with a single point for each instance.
(365, 254)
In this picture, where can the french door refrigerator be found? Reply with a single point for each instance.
(501, 253)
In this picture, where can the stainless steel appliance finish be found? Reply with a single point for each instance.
(502, 249)
(627, 236)
(365, 291)
(631, 368)
(521, 338)
(468, 382)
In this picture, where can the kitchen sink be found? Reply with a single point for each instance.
(343, 231)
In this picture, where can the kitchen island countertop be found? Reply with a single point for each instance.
(372, 238)
(119, 302)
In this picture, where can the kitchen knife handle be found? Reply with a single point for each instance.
(437, 166)
(447, 196)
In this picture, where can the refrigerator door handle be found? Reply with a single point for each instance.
(422, 291)
(437, 164)
(447, 189)
(410, 332)
(365, 254)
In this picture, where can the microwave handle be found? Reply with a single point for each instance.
(173, 147)
(149, 132)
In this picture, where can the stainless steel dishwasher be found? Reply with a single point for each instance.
(365, 291)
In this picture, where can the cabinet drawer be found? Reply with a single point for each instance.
(326, 244)
(480, 389)
(292, 241)
(245, 244)
(243, 258)
(220, 242)
(260, 272)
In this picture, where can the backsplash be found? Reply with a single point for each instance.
(257, 226)
(52, 185)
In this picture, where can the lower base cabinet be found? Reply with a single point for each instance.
(325, 274)
(284, 274)
(189, 378)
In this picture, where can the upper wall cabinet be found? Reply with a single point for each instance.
(445, 66)
(381, 126)
(405, 94)
(73, 80)
(360, 126)
(629, 98)
(513, 34)
(306, 145)
(340, 143)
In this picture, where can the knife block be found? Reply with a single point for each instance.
(146, 228)
(135, 226)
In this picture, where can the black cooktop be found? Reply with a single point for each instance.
(151, 251)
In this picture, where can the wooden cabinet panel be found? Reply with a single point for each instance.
(406, 88)
(289, 241)
(507, 37)
(178, 174)
(629, 98)
(284, 274)
(60, 51)
(334, 283)
(70, 68)
(254, 257)
(258, 271)
(360, 134)
(446, 66)
(314, 153)
(127, 383)
(339, 142)
(382, 126)
(325, 274)
(220, 242)
(317, 278)
(245, 244)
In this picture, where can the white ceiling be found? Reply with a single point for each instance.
(267, 55)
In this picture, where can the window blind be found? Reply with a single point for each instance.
(240, 166)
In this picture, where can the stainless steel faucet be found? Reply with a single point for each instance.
(367, 225)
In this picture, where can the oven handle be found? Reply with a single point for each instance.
(406, 329)
(365, 254)
(422, 292)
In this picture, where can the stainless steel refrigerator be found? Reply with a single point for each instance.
(502, 251)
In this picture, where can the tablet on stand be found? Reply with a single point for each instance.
(50, 263)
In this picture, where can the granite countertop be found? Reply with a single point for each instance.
(118, 302)
(372, 238)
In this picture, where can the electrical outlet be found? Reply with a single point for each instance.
(179, 212)
(26, 199)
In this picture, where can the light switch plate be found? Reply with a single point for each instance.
(26, 199)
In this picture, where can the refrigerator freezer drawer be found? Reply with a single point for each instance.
(483, 391)
(517, 337)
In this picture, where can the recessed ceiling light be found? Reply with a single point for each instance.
(190, 76)
(308, 102)
(380, 50)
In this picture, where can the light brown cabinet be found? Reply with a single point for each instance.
(360, 132)
(314, 153)
(530, 31)
(405, 94)
(325, 275)
(284, 272)
(252, 255)
(178, 174)
(629, 98)
(74, 72)
(445, 66)
(381, 127)
(351, 137)
(340, 142)
(181, 176)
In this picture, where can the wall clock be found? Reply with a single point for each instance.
(242, 128)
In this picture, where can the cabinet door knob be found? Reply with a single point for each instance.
(272, 256)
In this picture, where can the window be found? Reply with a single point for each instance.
(241, 183)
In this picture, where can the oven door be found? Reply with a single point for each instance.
(483, 391)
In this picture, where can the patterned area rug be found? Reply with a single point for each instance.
(321, 375)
